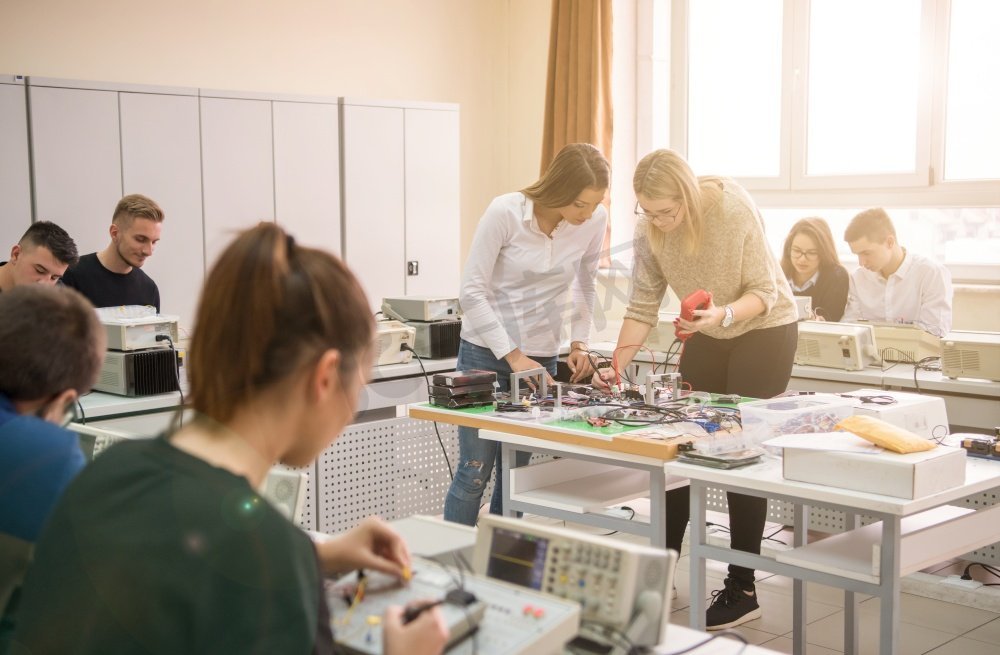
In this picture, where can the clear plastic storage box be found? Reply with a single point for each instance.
(764, 419)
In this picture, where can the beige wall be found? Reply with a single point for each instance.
(487, 55)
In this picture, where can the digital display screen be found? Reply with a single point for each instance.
(517, 558)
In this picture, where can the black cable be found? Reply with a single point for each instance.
(608, 534)
(989, 569)
(177, 375)
(427, 381)
(725, 633)
(83, 415)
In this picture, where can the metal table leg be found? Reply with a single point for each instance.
(889, 586)
(851, 522)
(799, 539)
(697, 559)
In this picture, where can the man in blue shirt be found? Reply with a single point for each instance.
(51, 349)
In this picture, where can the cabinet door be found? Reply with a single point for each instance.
(15, 186)
(307, 172)
(77, 161)
(374, 207)
(238, 171)
(161, 159)
(432, 201)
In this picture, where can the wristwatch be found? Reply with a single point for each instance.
(727, 320)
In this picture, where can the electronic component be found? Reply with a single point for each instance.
(622, 586)
(139, 372)
(464, 378)
(390, 337)
(971, 355)
(905, 343)
(505, 618)
(803, 307)
(835, 345)
(139, 333)
(980, 445)
(436, 340)
(423, 308)
(699, 299)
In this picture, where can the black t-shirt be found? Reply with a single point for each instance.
(153, 551)
(105, 288)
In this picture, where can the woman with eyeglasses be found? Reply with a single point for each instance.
(164, 545)
(706, 233)
(532, 267)
(812, 267)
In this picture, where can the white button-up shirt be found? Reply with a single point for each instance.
(516, 281)
(919, 292)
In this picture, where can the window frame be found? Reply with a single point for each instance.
(925, 186)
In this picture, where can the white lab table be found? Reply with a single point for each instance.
(911, 535)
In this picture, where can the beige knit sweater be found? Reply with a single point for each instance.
(733, 259)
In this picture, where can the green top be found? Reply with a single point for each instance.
(152, 550)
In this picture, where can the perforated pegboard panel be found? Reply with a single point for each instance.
(392, 468)
(104, 442)
(308, 519)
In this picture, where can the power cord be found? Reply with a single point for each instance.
(427, 381)
(177, 375)
(989, 569)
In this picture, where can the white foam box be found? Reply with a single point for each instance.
(921, 414)
(910, 476)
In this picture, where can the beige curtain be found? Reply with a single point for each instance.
(578, 91)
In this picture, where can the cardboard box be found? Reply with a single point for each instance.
(921, 414)
(910, 476)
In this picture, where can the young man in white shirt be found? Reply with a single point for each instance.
(893, 284)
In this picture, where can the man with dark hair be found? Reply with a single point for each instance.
(893, 284)
(40, 257)
(51, 349)
(113, 276)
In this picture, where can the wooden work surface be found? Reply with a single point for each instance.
(616, 438)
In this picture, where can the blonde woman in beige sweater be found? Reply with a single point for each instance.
(706, 233)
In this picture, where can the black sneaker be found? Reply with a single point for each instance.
(731, 607)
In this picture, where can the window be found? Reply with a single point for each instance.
(828, 107)
(825, 94)
(862, 87)
(972, 126)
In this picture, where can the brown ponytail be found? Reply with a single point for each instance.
(269, 307)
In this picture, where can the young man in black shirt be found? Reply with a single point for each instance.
(113, 276)
(40, 257)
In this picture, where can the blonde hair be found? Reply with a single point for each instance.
(578, 166)
(135, 206)
(664, 174)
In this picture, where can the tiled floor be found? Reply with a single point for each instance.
(927, 626)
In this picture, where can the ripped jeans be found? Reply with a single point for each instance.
(478, 457)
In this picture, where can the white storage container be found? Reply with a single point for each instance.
(764, 419)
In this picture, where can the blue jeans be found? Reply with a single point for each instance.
(477, 457)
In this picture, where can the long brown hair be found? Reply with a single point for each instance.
(268, 308)
(578, 166)
(818, 230)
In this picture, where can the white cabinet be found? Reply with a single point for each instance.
(238, 171)
(15, 181)
(401, 197)
(307, 172)
(432, 201)
(161, 159)
(374, 203)
(76, 160)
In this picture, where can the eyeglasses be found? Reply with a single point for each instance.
(808, 254)
(660, 215)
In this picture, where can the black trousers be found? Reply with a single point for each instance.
(756, 364)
